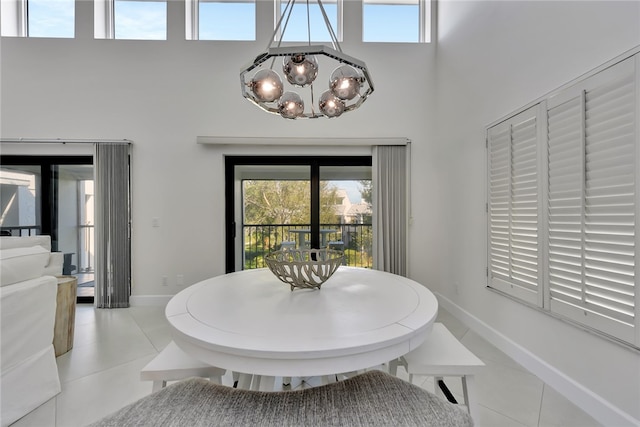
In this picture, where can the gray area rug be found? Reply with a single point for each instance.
(374, 398)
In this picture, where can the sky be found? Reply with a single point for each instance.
(352, 188)
(223, 21)
(51, 18)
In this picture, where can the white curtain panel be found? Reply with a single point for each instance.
(113, 245)
(390, 214)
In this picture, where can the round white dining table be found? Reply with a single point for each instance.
(251, 322)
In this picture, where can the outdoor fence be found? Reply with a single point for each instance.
(354, 239)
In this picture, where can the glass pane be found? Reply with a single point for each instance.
(345, 217)
(51, 18)
(276, 209)
(276, 213)
(391, 22)
(86, 202)
(227, 20)
(20, 200)
(140, 20)
(75, 224)
(297, 29)
(86, 244)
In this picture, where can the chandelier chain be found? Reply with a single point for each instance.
(332, 34)
(308, 24)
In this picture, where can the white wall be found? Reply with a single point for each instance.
(493, 58)
(161, 95)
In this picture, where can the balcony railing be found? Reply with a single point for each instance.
(354, 239)
(20, 230)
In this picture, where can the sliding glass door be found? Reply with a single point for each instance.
(21, 200)
(274, 211)
(309, 202)
(74, 225)
(346, 212)
(52, 195)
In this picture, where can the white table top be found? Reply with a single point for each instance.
(251, 322)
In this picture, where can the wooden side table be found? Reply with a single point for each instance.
(65, 314)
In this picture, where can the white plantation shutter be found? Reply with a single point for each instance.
(565, 196)
(499, 202)
(592, 139)
(513, 205)
(563, 202)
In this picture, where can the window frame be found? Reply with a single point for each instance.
(339, 30)
(15, 19)
(233, 209)
(50, 206)
(426, 17)
(192, 20)
(105, 20)
(69, 25)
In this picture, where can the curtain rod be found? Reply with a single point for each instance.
(64, 141)
(299, 141)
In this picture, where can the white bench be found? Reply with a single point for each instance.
(173, 364)
(442, 355)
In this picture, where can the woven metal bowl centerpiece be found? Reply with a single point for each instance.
(304, 268)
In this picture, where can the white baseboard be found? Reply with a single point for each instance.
(593, 404)
(147, 300)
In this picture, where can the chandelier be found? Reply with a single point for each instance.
(292, 96)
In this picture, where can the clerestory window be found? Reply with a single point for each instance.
(38, 18)
(140, 19)
(220, 19)
(227, 20)
(299, 25)
(401, 21)
(130, 19)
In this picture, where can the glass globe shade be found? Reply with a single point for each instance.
(300, 69)
(345, 82)
(290, 105)
(266, 86)
(331, 105)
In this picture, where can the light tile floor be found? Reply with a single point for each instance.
(102, 374)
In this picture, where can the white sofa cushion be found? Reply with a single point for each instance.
(56, 261)
(54, 267)
(9, 242)
(20, 264)
(28, 319)
(28, 371)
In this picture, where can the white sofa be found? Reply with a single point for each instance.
(28, 288)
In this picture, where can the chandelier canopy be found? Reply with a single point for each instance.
(347, 82)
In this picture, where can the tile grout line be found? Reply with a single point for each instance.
(544, 387)
(135, 320)
(118, 365)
